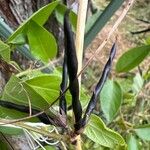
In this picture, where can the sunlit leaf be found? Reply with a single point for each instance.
(143, 132)
(42, 43)
(99, 133)
(111, 98)
(132, 58)
(40, 17)
(19, 92)
(19, 40)
(132, 143)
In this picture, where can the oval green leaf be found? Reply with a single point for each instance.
(48, 87)
(132, 143)
(19, 92)
(40, 17)
(42, 43)
(132, 58)
(143, 132)
(99, 133)
(111, 98)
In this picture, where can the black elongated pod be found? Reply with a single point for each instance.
(72, 65)
(99, 86)
(46, 119)
(63, 86)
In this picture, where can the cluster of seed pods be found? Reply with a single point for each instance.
(70, 59)
(70, 68)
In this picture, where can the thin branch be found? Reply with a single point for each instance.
(40, 131)
(141, 31)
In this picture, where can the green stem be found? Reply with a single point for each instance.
(56, 136)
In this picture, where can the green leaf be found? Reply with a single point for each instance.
(99, 133)
(19, 40)
(111, 98)
(40, 17)
(132, 143)
(47, 148)
(50, 87)
(147, 41)
(42, 43)
(10, 130)
(46, 86)
(137, 83)
(3, 145)
(132, 58)
(60, 11)
(143, 132)
(4, 51)
(19, 92)
(102, 20)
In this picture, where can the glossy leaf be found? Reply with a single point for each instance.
(19, 92)
(111, 98)
(19, 40)
(132, 58)
(47, 86)
(99, 133)
(132, 143)
(4, 51)
(40, 17)
(42, 43)
(143, 132)
(102, 20)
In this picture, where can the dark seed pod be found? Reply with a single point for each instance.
(63, 86)
(46, 119)
(99, 86)
(72, 65)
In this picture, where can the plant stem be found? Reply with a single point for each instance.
(56, 136)
(82, 11)
(28, 71)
